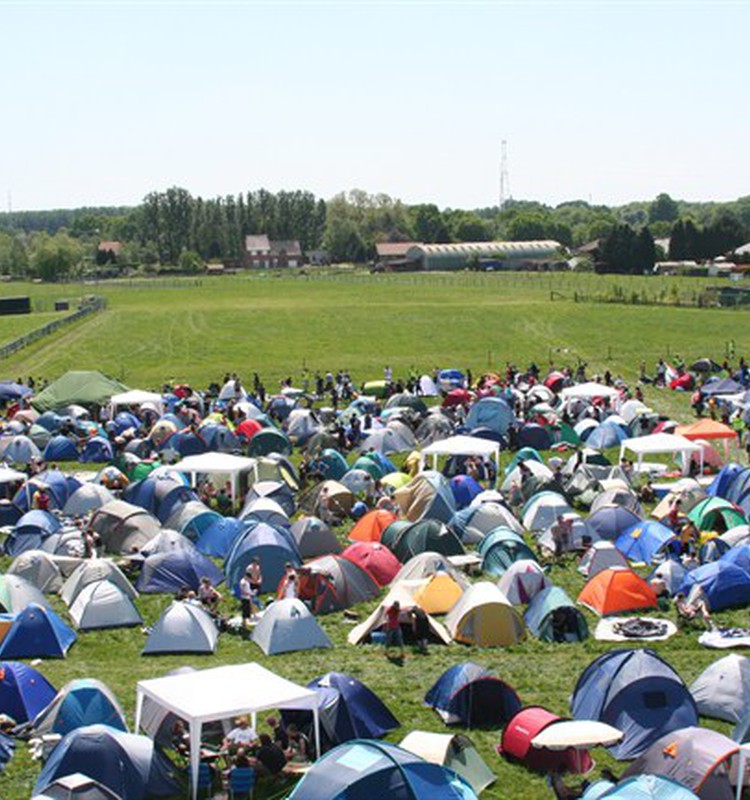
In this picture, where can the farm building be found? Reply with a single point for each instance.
(261, 252)
(495, 255)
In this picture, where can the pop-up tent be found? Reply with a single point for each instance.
(220, 693)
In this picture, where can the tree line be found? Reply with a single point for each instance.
(174, 228)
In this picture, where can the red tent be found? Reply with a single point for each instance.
(458, 397)
(374, 558)
(516, 745)
(248, 428)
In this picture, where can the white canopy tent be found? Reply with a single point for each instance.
(590, 390)
(461, 446)
(661, 444)
(222, 693)
(135, 397)
(217, 464)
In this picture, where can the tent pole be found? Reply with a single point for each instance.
(316, 723)
(196, 729)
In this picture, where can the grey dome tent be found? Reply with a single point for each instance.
(722, 690)
(90, 571)
(87, 497)
(314, 537)
(184, 627)
(288, 625)
(103, 604)
(39, 569)
(123, 527)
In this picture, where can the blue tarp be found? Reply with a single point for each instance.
(637, 692)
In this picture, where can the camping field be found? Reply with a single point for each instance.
(197, 329)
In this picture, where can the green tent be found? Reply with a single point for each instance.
(553, 617)
(79, 388)
(269, 440)
(707, 513)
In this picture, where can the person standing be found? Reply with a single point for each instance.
(394, 636)
(246, 598)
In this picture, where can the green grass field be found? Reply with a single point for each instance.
(198, 330)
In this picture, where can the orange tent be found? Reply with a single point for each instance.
(616, 590)
(705, 429)
(370, 527)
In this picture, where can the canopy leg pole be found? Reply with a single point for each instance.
(196, 729)
(138, 711)
(316, 724)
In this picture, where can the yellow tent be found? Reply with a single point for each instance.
(484, 617)
(438, 594)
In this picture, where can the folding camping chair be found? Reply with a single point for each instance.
(241, 783)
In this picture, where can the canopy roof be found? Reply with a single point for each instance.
(462, 446)
(589, 390)
(221, 693)
(660, 443)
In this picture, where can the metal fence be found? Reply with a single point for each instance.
(90, 306)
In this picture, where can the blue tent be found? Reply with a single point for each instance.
(645, 541)
(219, 438)
(130, 765)
(534, 437)
(97, 450)
(273, 546)
(24, 691)
(469, 694)
(606, 435)
(218, 538)
(37, 632)
(9, 390)
(609, 522)
(725, 478)
(716, 386)
(170, 571)
(59, 488)
(713, 550)
(60, 448)
(524, 454)
(186, 443)
(30, 531)
(159, 495)
(331, 464)
(553, 617)
(448, 379)
(642, 787)
(500, 548)
(80, 702)
(366, 769)
(637, 692)
(725, 584)
(491, 412)
(464, 489)
(740, 556)
(349, 710)
(124, 421)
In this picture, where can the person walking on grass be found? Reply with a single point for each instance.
(394, 636)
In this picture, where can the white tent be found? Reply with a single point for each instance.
(135, 397)
(217, 464)
(103, 604)
(461, 446)
(220, 693)
(661, 444)
(590, 390)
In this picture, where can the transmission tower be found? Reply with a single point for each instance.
(504, 180)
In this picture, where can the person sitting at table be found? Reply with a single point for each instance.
(298, 750)
(243, 735)
(278, 733)
(269, 757)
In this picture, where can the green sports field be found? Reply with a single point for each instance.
(196, 330)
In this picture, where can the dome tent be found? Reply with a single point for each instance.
(364, 769)
(468, 694)
(287, 625)
(637, 692)
(24, 691)
(130, 765)
(85, 701)
(103, 604)
(37, 632)
(184, 627)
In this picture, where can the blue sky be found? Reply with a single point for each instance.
(603, 101)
